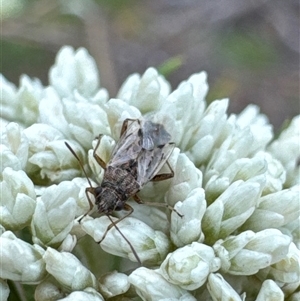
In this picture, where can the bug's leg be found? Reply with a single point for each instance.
(125, 125)
(164, 176)
(130, 245)
(113, 224)
(97, 158)
(87, 190)
(139, 201)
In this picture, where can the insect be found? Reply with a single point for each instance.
(143, 148)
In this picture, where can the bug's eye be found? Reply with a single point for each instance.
(98, 191)
(119, 206)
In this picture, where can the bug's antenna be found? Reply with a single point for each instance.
(79, 161)
(131, 247)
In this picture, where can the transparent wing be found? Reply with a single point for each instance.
(151, 161)
(154, 134)
(129, 145)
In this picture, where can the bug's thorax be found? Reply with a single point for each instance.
(117, 186)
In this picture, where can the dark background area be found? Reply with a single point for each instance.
(250, 49)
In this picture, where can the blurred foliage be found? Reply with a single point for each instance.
(171, 65)
(248, 49)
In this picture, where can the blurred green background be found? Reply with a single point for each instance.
(250, 49)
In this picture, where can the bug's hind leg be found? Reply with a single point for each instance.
(114, 224)
(164, 176)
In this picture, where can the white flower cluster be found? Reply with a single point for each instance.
(235, 185)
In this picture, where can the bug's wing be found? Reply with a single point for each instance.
(151, 161)
(128, 146)
(154, 135)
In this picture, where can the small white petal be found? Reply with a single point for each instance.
(249, 252)
(88, 294)
(20, 261)
(151, 286)
(286, 150)
(54, 214)
(146, 92)
(17, 202)
(270, 291)
(186, 178)
(15, 147)
(113, 284)
(68, 270)
(285, 271)
(190, 266)
(275, 210)
(74, 70)
(230, 210)
(151, 246)
(29, 96)
(220, 289)
(184, 230)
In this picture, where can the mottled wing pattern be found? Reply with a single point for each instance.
(129, 145)
(150, 162)
(148, 144)
(153, 135)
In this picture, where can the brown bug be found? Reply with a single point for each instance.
(143, 148)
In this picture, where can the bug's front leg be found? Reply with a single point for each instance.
(97, 158)
(113, 224)
(87, 191)
(125, 125)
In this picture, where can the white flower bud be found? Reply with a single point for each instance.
(113, 284)
(4, 290)
(259, 126)
(150, 215)
(210, 129)
(74, 70)
(270, 291)
(20, 261)
(88, 294)
(68, 270)
(14, 148)
(104, 151)
(190, 266)
(48, 290)
(275, 175)
(151, 246)
(292, 230)
(220, 290)
(285, 271)
(54, 214)
(184, 230)
(117, 111)
(286, 150)
(275, 210)
(180, 111)
(29, 95)
(186, 178)
(230, 210)
(49, 158)
(17, 201)
(81, 121)
(151, 286)
(262, 169)
(145, 93)
(249, 252)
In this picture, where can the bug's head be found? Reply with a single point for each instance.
(107, 200)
